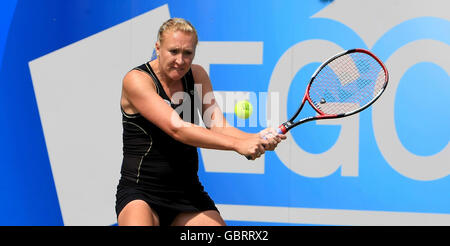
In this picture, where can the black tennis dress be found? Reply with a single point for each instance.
(158, 169)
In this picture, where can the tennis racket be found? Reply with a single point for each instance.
(345, 84)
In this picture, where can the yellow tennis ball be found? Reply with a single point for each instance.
(243, 109)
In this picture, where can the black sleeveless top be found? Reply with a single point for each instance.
(154, 161)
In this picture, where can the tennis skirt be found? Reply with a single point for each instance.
(167, 203)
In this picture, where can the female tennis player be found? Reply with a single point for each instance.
(159, 184)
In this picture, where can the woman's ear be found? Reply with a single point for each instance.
(157, 48)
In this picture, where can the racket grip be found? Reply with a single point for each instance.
(279, 131)
(282, 129)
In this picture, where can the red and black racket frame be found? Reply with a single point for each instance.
(288, 125)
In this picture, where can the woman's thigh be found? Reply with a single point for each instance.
(204, 218)
(137, 213)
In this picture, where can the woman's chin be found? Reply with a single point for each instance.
(176, 74)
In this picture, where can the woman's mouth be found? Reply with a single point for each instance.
(178, 69)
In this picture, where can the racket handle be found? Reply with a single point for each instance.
(282, 129)
(279, 131)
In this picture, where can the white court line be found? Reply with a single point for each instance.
(319, 216)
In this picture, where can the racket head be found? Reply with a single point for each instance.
(347, 83)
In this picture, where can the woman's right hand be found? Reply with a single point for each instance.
(252, 147)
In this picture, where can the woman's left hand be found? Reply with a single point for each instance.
(272, 137)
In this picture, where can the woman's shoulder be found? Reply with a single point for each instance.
(139, 72)
(199, 73)
(137, 79)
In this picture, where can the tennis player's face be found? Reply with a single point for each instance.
(176, 53)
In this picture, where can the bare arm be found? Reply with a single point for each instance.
(213, 115)
(140, 91)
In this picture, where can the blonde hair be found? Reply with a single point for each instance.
(177, 24)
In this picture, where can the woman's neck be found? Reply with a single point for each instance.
(163, 78)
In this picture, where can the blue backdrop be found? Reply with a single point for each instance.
(379, 181)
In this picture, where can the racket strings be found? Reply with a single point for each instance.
(347, 83)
